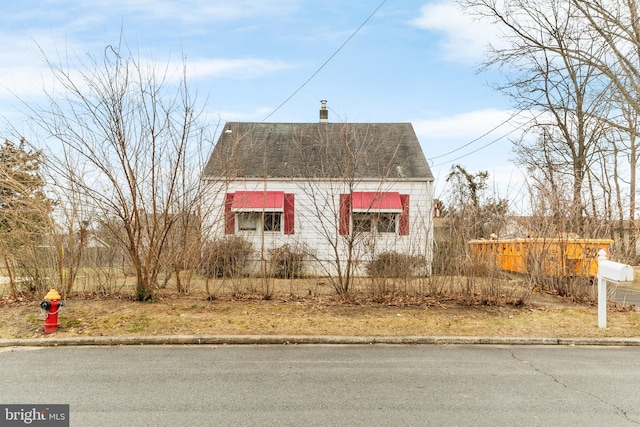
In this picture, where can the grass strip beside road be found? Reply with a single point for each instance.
(196, 316)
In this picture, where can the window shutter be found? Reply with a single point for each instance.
(229, 217)
(345, 214)
(403, 223)
(289, 213)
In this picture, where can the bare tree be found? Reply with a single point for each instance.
(474, 213)
(613, 26)
(331, 166)
(566, 96)
(182, 252)
(597, 42)
(619, 160)
(26, 226)
(342, 159)
(124, 135)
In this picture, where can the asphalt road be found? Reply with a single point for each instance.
(324, 385)
(627, 296)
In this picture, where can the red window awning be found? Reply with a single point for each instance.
(257, 201)
(370, 201)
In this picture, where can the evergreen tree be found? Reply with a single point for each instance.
(25, 211)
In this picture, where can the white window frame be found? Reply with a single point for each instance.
(375, 224)
(257, 221)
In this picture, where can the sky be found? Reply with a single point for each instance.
(274, 61)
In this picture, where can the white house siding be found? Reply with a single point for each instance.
(308, 228)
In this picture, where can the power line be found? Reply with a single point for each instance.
(490, 142)
(327, 61)
(504, 122)
(554, 86)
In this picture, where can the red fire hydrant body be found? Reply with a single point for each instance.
(51, 305)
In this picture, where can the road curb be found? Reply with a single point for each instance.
(302, 339)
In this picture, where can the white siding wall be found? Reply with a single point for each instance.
(316, 219)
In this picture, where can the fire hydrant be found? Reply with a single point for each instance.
(50, 306)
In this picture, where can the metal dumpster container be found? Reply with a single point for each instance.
(555, 257)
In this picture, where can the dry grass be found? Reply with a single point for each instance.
(309, 308)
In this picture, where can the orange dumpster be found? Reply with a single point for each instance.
(556, 257)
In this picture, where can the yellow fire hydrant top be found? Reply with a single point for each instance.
(52, 294)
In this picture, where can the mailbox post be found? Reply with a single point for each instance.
(609, 271)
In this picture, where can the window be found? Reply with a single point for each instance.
(370, 222)
(253, 221)
(386, 223)
(248, 221)
(368, 212)
(272, 221)
(362, 223)
(269, 211)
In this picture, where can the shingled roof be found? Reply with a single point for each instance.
(318, 150)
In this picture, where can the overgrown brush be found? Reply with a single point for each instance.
(226, 257)
(287, 262)
(390, 269)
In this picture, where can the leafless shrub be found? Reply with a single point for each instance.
(388, 269)
(393, 264)
(287, 261)
(226, 257)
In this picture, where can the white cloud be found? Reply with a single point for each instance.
(223, 116)
(469, 125)
(480, 141)
(24, 72)
(203, 10)
(465, 39)
(235, 68)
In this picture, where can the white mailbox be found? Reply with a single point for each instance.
(612, 272)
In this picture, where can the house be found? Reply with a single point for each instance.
(341, 191)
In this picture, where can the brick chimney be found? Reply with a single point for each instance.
(324, 113)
